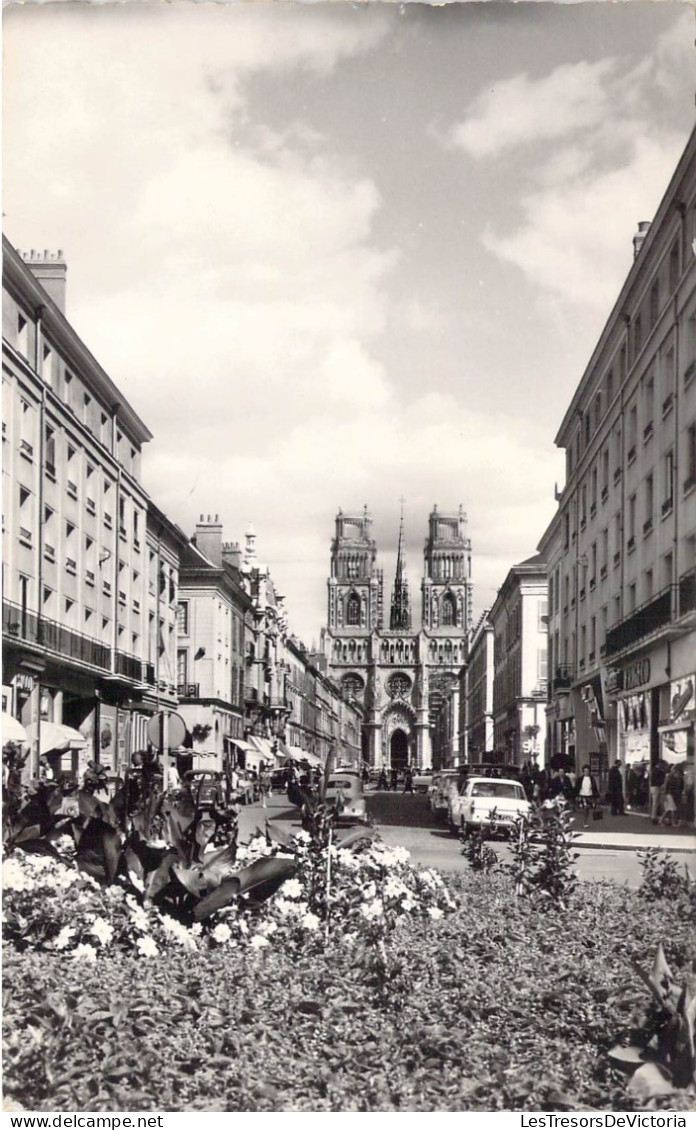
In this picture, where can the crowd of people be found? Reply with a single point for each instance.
(394, 780)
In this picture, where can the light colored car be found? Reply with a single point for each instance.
(444, 786)
(491, 804)
(422, 780)
(345, 788)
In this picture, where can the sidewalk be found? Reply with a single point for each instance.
(634, 831)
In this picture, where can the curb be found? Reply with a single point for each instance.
(635, 847)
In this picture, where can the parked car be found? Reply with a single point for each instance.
(345, 788)
(444, 783)
(491, 804)
(208, 789)
(422, 780)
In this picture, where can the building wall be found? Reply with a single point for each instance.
(623, 544)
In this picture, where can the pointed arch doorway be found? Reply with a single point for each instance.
(398, 749)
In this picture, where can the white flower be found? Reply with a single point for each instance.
(197, 929)
(408, 905)
(147, 946)
(243, 928)
(64, 938)
(140, 919)
(394, 888)
(284, 906)
(88, 952)
(269, 927)
(372, 910)
(15, 878)
(370, 891)
(348, 859)
(303, 838)
(427, 878)
(258, 942)
(292, 888)
(222, 933)
(102, 931)
(435, 912)
(310, 921)
(178, 931)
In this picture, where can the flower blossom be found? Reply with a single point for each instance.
(222, 933)
(88, 952)
(292, 888)
(102, 931)
(147, 946)
(15, 878)
(310, 921)
(435, 912)
(64, 938)
(372, 910)
(259, 942)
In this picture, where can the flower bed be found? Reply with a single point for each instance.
(426, 996)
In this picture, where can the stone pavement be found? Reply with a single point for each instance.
(634, 831)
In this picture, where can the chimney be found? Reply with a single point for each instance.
(50, 268)
(639, 237)
(208, 537)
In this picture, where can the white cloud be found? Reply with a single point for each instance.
(521, 110)
(607, 137)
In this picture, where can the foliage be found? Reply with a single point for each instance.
(662, 879)
(201, 731)
(542, 856)
(479, 855)
(664, 1063)
(95, 779)
(502, 1007)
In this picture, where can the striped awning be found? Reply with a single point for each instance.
(56, 736)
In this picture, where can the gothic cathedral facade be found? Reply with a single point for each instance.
(397, 672)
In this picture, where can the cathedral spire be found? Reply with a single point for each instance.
(400, 615)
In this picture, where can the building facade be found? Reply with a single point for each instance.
(397, 673)
(622, 545)
(480, 675)
(76, 567)
(519, 620)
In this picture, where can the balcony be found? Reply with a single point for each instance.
(71, 489)
(647, 526)
(647, 431)
(70, 566)
(617, 475)
(50, 470)
(667, 405)
(25, 537)
(689, 373)
(26, 450)
(602, 572)
(667, 507)
(49, 552)
(605, 494)
(89, 577)
(631, 544)
(188, 690)
(563, 678)
(21, 624)
(128, 665)
(646, 619)
(106, 586)
(108, 520)
(687, 593)
(91, 506)
(631, 454)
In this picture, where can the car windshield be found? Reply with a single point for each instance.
(499, 789)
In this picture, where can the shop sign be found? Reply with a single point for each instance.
(614, 680)
(636, 675)
(682, 700)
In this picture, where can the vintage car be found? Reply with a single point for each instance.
(445, 783)
(422, 780)
(490, 804)
(345, 789)
(209, 789)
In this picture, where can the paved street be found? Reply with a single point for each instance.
(407, 821)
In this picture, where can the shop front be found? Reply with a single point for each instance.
(676, 733)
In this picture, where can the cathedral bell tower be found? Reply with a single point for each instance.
(355, 585)
(447, 588)
(400, 613)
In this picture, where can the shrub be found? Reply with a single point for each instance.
(502, 1007)
(542, 856)
(663, 879)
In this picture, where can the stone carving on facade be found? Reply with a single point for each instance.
(398, 686)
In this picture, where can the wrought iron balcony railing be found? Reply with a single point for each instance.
(188, 690)
(22, 624)
(645, 620)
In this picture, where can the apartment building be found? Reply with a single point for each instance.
(76, 570)
(213, 609)
(480, 674)
(622, 546)
(519, 619)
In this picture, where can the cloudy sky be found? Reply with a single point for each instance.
(338, 254)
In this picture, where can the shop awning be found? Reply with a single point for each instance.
(298, 754)
(244, 746)
(56, 736)
(12, 730)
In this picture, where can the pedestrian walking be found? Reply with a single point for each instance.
(382, 782)
(674, 787)
(264, 785)
(394, 779)
(657, 784)
(408, 780)
(587, 794)
(615, 789)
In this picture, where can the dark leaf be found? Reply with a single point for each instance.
(156, 881)
(99, 851)
(277, 835)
